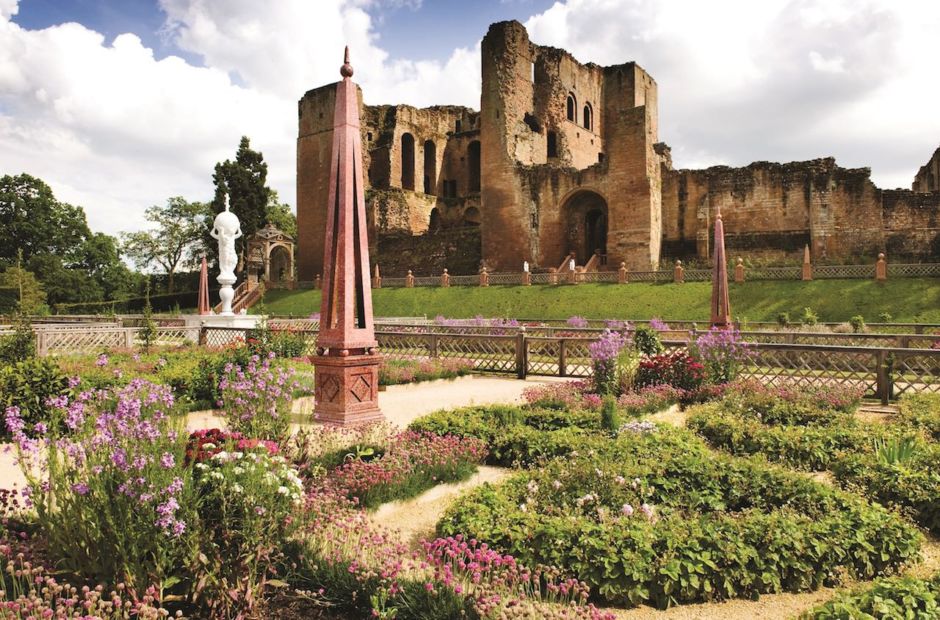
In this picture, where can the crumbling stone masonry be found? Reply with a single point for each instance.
(565, 157)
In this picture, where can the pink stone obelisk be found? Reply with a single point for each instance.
(347, 364)
(721, 306)
(203, 301)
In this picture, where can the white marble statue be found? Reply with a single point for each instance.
(226, 229)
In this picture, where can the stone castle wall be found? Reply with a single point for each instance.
(565, 157)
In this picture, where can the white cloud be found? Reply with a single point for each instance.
(115, 130)
(781, 80)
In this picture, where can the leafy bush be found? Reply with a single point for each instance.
(913, 485)
(898, 597)
(783, 319)
(858, 323)
(610, 419)
(677, 369)
(809, 317)
(27, 386)
(921, 412)
(657, 519)
(19, 345)
(646, 340)
(564, 396)
(810, 448)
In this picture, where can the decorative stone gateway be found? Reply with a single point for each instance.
(347, 364)
(226, 229)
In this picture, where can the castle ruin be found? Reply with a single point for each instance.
(564, 158)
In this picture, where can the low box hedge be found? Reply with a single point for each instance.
(898, 597)
(718, 527)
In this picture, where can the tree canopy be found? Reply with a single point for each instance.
(56, 245)
(175, 241)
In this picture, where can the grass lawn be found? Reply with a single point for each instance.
(907, 300)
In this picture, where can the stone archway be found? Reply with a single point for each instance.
(586, 220)
(280, 269)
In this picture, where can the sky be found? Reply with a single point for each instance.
(121, 104)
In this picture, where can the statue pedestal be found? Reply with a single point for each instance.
(347, 389)
(226, 293)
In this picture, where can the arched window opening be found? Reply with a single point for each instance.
(434, 224)
(430, 168)
(473, 152)
(552, 144)
(572, 108)
(457, 126)
(471, 217)
(588, 116)
(407, 161)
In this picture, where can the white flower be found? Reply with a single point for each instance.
(283, 491)
(522, 507)
(237, 488)
(556, 484)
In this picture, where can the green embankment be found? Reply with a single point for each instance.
(906, 300)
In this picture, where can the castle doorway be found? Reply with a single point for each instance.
(586, 216)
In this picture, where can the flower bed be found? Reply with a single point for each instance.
(899, 597)
(396, 372)
(409, 464)
(655, 518)
(896, 463)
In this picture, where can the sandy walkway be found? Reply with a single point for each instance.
(415, 519)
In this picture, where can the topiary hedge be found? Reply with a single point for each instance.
(811, 447)
(657, 518)
(899, 597)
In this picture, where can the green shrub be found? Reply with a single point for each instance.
(809, 317)
(610, 417)
(646, 340)
(783, 319)
(885, 317)
(28, 385)
(658, 519)
(810, 448)
(898, 597)
(19, 345)
(913, 486)
(858, 323)
(921, 412)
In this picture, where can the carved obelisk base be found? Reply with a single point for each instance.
(347, 390)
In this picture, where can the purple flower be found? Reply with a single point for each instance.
(102, 360)
(627, 510)
(167, 461)
(577, 321)
(658, 324)
(81, 488)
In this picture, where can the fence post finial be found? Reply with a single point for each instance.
(678, 274)
(881, 267)
(739, 270)
(807, 266)
(409, 280)
(622, 276)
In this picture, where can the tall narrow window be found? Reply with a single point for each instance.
(572, 108)
(407, 161)
(430, 168)
(473, 152)
(457, 126)
(588, 117)
(552, 144)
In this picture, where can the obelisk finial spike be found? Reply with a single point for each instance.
(346, 70)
